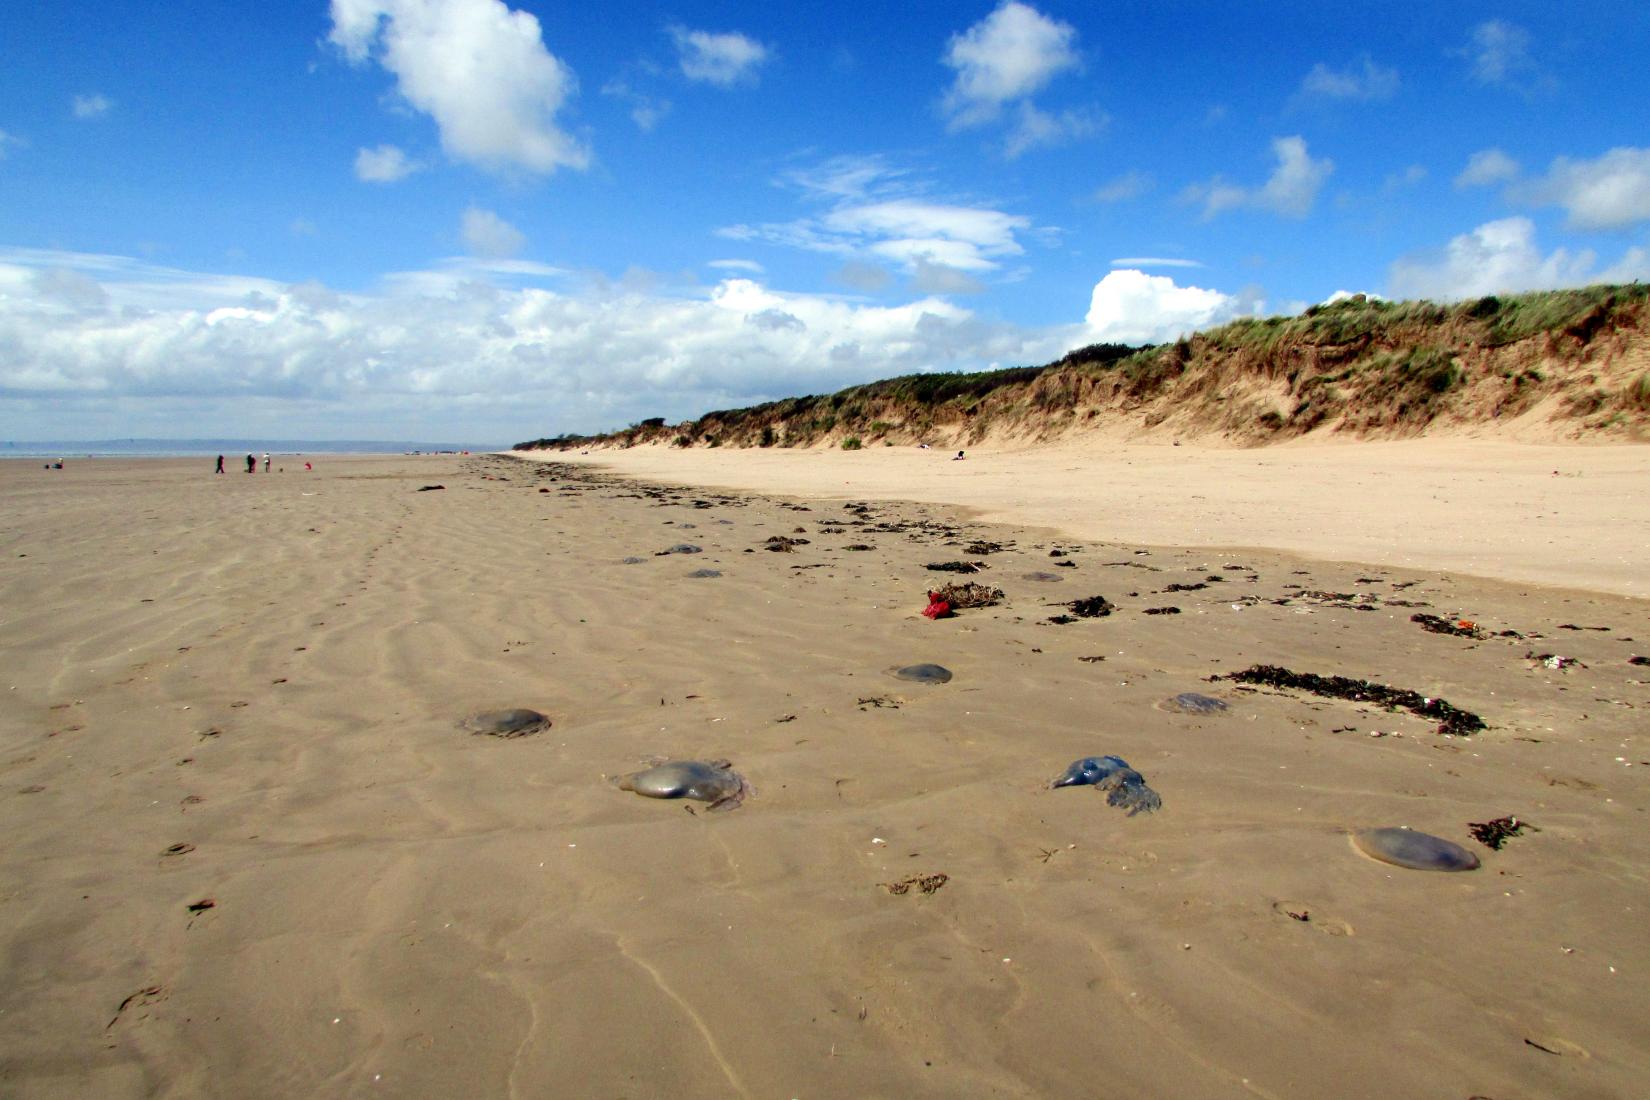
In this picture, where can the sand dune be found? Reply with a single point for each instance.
(248, 690)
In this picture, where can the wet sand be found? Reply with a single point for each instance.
(249, 690)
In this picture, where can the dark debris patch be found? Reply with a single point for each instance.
(956, 566)
(1460, 629)
(1161, 611)
(967, 594)
(1450, 719)
(1494, 833)
(1094, 607)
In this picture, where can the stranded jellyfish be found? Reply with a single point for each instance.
(1190, 702)
(1125, 787)
(507, 723)
(1419, 851)
(715, 782)
(924, 674)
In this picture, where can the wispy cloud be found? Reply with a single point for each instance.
(1291, 189)
(1155, 261)
(1498, 54)
(90, 106)
(1363, 82)
(488, 235)
(383, 164)
(723, 59)
(1130, 185)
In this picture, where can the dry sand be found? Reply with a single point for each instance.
(1547, 514)
(270, 670)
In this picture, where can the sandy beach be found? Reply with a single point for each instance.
(252, 851)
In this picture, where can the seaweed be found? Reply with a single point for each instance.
(1494, 833)
(1451, 719)
(1460, 629)
(1093, 607)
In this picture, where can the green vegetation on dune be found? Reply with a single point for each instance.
(1360, 365)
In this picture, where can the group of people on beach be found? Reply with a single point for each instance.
(252, 464)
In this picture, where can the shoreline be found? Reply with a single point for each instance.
(1509, 512)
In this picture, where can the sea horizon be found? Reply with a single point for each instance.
(189, 448)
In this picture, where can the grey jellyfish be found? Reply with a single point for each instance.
(1126, 788)
(705, 781)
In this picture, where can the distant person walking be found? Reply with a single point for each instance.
(266, 462)
(220, 464)
(251, 464)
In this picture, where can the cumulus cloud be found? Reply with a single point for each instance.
(384, 164)
(90, 106)
(1503, 257)
(1498, 53)
(1291, 189)
(478, 68)
(1610, 192)
(1362, 83)
(1486, 168)
(1131, 307)
(1004, 60)
(455, 353)
(720, 59)
(490, 236)
(1009, 55)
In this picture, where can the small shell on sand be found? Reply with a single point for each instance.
(1419, 851)
(715, 782)
(1190, 702)
(923, 674)
(507, 723)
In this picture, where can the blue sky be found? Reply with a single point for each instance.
(473, 219)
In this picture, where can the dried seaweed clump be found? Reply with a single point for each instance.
(1494, 833)
(967, 594)
(1450, 719)
(1460, 629)
(1093, 607)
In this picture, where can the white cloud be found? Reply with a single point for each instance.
(877, 215)
(1130, 185)
(1409, 177)
(90, 106)
(1290, 190)
(720, 59)
(646, 110)
(478, 68)
(98, 344)
(750, 266)
(1034, 128)
(1486, 168)
(1008, 56)
(1501, 257)
(928, 277)
(384, 164)
(6, 141)
(1611, 192)
(1365, 82)
(490, 236)
(1498, 53)
(1154, 261)
(1131, 307)
(302, 227)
